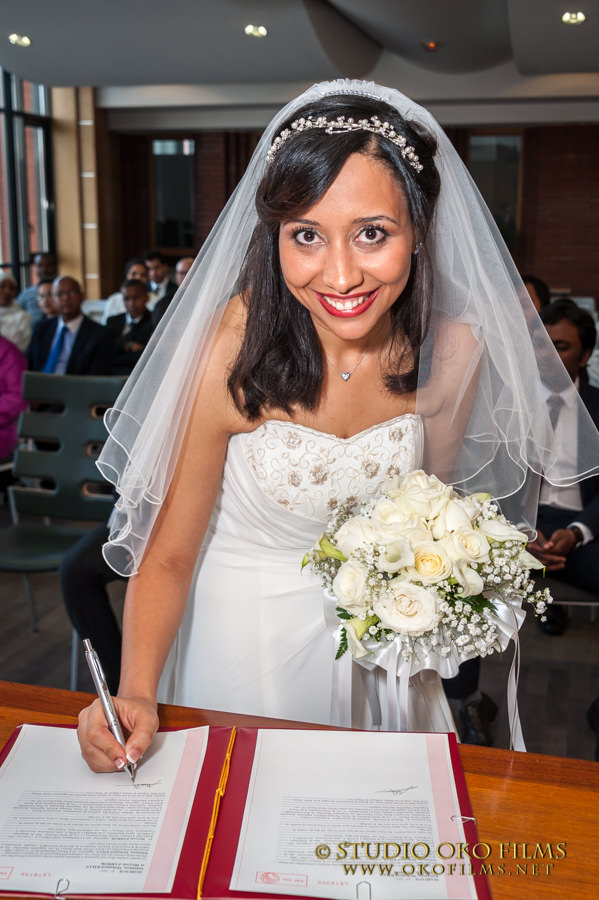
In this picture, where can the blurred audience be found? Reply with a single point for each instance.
(568, 517)
(45, 299)
(12, 365)
(130, 332)
(71, 343)
(115, 305)
(44, 266)
(160, 281)
(83, 579)
(15, 323)
(181, 269)
(538, 290)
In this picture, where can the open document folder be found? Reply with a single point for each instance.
(216, 812)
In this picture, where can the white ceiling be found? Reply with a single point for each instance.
(489, 50)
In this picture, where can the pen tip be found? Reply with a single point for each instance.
(131, 772)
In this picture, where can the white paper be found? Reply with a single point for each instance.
(61, 823)
(352, 815)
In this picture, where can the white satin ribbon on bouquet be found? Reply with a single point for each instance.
(508, 619)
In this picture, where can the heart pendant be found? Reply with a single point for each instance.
(345, 375)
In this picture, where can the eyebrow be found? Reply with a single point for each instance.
(360, 221)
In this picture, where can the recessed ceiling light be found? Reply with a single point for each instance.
(255, 30)
(573, 18)
(19, 40)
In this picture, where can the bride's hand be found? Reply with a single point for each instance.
(101, 751)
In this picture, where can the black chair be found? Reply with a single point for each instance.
(60, 490)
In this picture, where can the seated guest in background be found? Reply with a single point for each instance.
(70, 344)
(83, 578)
(538, 290)
(130, 332)
(15, 323)
(114, 305)
(44, 265)
(181, 269)
(45, 299)
(160, 281)
(568, 519)
(12, 365)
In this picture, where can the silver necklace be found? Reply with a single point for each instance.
(346, 375)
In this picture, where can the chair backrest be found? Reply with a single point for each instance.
(61, 434)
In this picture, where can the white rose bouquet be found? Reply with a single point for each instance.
(424, 567)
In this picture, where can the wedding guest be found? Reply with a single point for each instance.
(130, 332)
(568, 517)
(160, 281)
(44, 266)
(15, 323)
(83, 578)
(181, 269)
(538, 290)
(115, 305)
(12, 365)
(70, 344)
(45, 298)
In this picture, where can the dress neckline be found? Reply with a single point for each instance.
(326, 434)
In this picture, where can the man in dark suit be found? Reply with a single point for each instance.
(568, 517)
(181, 269)
(130, 332)
(70, 344)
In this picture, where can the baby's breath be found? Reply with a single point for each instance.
(463, 623)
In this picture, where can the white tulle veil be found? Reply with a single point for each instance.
(508, 438)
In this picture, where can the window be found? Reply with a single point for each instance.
(494, 163)
(173, 168)
(26, 195)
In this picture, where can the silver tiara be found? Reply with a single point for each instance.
(340, 125)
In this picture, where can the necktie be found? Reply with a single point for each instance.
(55, 352)
(555, 403)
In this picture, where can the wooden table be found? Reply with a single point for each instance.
(518, 799)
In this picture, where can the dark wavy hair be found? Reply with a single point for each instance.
(280, 361)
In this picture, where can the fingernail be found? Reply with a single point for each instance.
(119, 763)
(133, 755)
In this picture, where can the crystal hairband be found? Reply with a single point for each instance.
(340, 125)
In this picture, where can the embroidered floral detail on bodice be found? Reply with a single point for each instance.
(310, 472)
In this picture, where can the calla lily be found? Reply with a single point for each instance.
(495, 530)
(530, 561)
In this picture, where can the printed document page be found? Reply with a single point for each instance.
(64, 828)
(352, 815)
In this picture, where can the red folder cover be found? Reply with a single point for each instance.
(210, 845)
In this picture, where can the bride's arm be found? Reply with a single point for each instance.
(157, 595)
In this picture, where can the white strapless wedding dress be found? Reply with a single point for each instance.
(254, 638)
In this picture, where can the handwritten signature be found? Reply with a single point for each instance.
(396, 791)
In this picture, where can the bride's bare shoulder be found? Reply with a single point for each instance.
(213, 391)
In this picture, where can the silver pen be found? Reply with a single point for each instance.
(99, 678)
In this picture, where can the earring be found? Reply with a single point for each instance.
(417, 248)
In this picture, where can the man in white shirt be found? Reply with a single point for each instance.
(568, 517)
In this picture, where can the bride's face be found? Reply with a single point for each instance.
(347, 259)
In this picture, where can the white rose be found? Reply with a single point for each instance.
(354, 534)
(406, 608)
(349, 587)
(431, 563)
(395, 556)
(467, 544)
(496, 530)
(423, 495)
(388, 520)
(470, 580)
(453, 517)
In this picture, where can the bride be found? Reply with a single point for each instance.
(354, 315)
